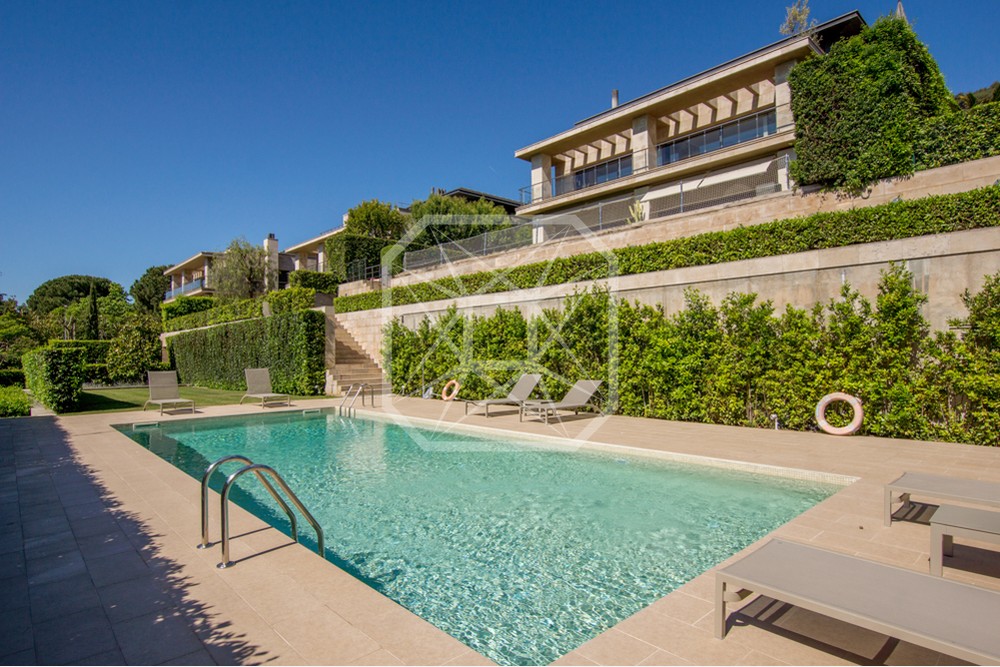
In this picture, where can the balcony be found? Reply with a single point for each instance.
(196, 285)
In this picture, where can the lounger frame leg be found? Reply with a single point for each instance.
(720, 608)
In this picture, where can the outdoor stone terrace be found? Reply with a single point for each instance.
(99, 565)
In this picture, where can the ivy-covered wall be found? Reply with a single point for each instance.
(280, 301)
(733, 364)
(897, 220)
(290, 344)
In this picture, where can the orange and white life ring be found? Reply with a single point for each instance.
(853, 401)
(453, 386)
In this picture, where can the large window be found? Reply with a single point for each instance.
(722, 136)
(602, 173)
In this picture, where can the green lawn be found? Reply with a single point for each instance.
(118, 400)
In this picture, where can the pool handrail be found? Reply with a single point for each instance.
(355, 390)
(204, 497)
(260, 470)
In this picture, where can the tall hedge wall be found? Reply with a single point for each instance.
(957, 137)
(291, 345)
(344, 249)
(896, 220)
(55, 375)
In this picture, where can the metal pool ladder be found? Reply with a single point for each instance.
(262, 472)
(352, 393)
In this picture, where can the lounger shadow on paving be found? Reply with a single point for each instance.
(259, 388)
(976, 492)
(517, 396)
(577, 398)
(164, 391)
(939, 614)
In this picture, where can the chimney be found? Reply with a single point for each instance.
(614, 98)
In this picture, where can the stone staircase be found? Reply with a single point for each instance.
(352, 364)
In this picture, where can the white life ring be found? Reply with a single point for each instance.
(853, 401)
(447, 395)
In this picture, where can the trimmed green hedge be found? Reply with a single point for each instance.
(11, 377)
(96, 374)
(291, 345)
(324, 283)
(95, 351)
(291, 300)
(14, 402)
(230, 312)
(887, 222)
(344, 249)
(55, 375)
(958, 137)
(185, 305)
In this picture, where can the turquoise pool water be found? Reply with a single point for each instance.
(521, 551)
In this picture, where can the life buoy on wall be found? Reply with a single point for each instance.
(447, 395)
(853, 401)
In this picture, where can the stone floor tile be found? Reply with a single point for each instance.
(62, 598)
(14, 592)
(17, 630)
(70, 638)
(615, 648)
(156, 638)
(97, 525)
(106, 544)
(26, 657)
(116, 567)
(573, 658)
(49, 545)
(55, 568)
(324, 637)
(200, 657)
(86, 510)
(113, 657)
(46, 526)
(12, 564)
(383, 657)
(135, 597)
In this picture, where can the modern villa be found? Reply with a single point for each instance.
(719, 136)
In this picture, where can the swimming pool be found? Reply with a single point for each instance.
(522, 551)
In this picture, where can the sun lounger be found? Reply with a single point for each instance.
(950, 522)
(518, 395)
(577, 398)
(164, 392)
(971, 491)
(940, 614)
(259, 387)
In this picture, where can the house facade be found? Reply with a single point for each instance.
(723, 135)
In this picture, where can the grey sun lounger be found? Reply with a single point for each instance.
(518, 394)
(940, 614)
(259, 387)
(972, 491)
(164, 392)
(577, 398)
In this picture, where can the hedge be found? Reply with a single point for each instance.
(897, 220)
(736, 363)
(95, 351)
(344, 249)
(291, 345)
(324, 283)
(55, 375)
(185, 305)
(14, 402)
(958, 137)
(230, 312)
(11, 377)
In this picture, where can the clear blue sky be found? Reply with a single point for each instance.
(137, 133)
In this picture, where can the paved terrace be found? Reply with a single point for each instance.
(98, 563)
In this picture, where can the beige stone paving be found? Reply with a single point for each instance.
(296, 608)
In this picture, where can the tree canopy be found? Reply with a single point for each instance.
(65, 291)
(375, 219)
(148, 290)
(242, 272)
(445, 218)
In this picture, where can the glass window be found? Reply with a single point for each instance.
(697, 144)
(748, 128)
(625, 166)
(682, 150)
(771, 123)
(730, 135)
(601, 172)
(665, 154)
(713, 140)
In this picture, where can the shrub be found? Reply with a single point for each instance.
(958, 137)
(185, 305)
(324, 283)
(344, 250)
(14, 402)
(291, 345)
(11, 377)
(94, 351)
(96, 374)
(896, 220)
(133, 352)
(229, 312)
(55, 376)
(291, 300)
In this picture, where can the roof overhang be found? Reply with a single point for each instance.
(193, 262)
(305, 245)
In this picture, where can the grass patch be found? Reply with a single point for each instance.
(133, 398)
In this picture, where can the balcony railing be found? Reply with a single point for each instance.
(726, 135)
(194, 285)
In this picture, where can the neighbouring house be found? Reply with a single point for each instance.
(192, 277)
(723, 135)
